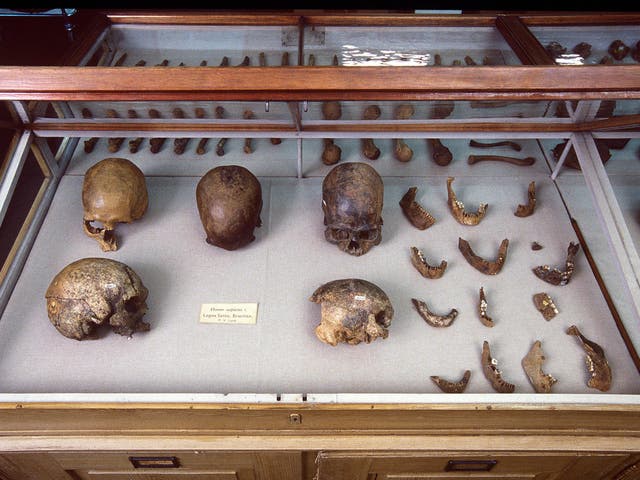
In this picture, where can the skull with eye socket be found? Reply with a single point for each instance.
(352, 197)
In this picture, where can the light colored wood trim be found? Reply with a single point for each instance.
(437, 443)
(400, 20)
(319, 83)
(186, 17)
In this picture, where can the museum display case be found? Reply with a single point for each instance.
(438, 194)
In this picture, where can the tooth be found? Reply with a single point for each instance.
(596, 362)
(415, 213)
(426, 270)
(452, 387)
(532, 365)
(491, 372)
(556, 276)
(457, 208)
(545, 305)
(482, 309)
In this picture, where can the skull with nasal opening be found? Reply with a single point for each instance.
(352, 198)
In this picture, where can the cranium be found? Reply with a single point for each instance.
(229, 201)
(95, 291)
(353, 311)
(352, 196)
(114, 191)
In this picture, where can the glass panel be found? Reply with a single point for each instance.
(590, 45)
(192, 45)
(407, 46)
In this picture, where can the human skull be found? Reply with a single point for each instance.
(229, 202)
(114, 191)
(95, 291)
(352, 195)
(352, 311)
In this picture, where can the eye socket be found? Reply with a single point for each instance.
(340, 234)
(369, 235)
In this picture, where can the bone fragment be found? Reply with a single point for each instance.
(469, 61)
(486, 320)
(522, 162)
(140, 63)
(513, 145)
(401, 150)
(134, 145)
(532, 365)
(179, 144)
(441, 154)
(91, 142)
(202, 144)
(246, 61)
(618, 49)
(203, 63)
(457, 208)
(452, 387)
(426, 270)
(484, 266)
(219, 113)
(369, 148)
(163, 63)
(431, 318)
(155, 144)
(492, 373)
(535, 246)
(556, 276)
(437, 60)
(545, 305)
(528, 209)
(331, 152)
(415, 213)
(248, 147)
(114, 144)
(224, 62)
(596, 362)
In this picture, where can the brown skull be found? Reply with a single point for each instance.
(352, 311)
(95, 291)
(352, 195)
(229, 202)
(114, 191)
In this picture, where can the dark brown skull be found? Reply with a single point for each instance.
(229, 202)
(114, 191)
(353, 311)
(93, 291)
(352, 195)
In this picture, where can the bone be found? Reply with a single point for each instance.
(535, 246)
(441, 154)
(635, 53)
(331, 110)
(155, 144)
(134, 145)
(522, 162)
(486, 320)
(438, 321)
(202, 144)
(248, 147)
(469, 61)
(263, 63)
(114, 144)
(219, 113)
(484, 266)
(452, 387)
(437, 60)
(491, 372)
(369, 148)
(120, 60)
(583, 49)
(89, 144)
(203, 63)
(456, 63)
(596, 360)
(140, 63)
(224, 62)
(179, 144)
(246, 61)
(618, 50)
(442, 109)
(556, 276)
(532, 365)
(331, 152)
(544, 304)
(513, 145)
(163, 63)
(457, 208)
(528, 209)
(426, 270)
(401, 151)
(415, 213)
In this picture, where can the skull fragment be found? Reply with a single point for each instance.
(352, 311)
(114, 191)
(229, 202)
(95, 291)
(352, 196)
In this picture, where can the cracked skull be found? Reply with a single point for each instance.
(229, 202)
(95, 291)
(114, 191)
(352, 311)
(352, 197)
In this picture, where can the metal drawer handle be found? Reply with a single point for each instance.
(470, 465)
(154, 462)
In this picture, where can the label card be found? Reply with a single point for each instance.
(233, 313)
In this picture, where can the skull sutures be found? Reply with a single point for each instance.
(352, 197)
(229, 202)
(95, 291)
(353, 311)
(114, 191)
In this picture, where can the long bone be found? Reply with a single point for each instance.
(401, 150)
(331, 110)
(114, 144)
(513, 145)
(369, 148)
(90, 143)
(219, 113)
(179, 144)
(155, 144)
(441, 154)
(134, 145)
(521, 162)
(202, 144)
